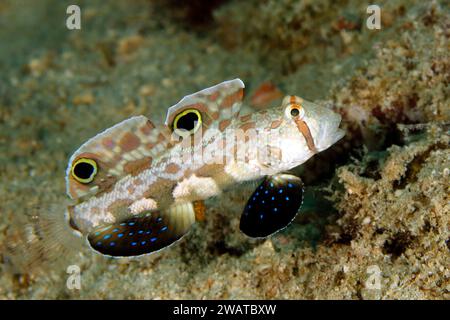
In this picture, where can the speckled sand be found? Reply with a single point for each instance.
(377, 205)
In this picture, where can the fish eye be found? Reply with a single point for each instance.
(294, 111)
(188, 121)
(84, 170)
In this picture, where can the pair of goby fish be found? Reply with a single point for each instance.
(138, 186)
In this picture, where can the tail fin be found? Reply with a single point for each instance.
(39, 239)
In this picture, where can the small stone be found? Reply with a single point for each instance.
(84, 98)
(129, 45)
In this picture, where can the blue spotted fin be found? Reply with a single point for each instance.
(272, 206)
(143, 233)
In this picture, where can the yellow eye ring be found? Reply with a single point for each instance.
(84, 170)
(188, 121)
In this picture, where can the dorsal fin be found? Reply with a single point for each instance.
(126, 148)
(218, 104)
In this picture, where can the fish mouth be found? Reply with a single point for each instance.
(329, 132)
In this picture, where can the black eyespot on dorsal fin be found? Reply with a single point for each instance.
(272, 206)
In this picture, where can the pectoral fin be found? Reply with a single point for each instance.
(143, 233)
(272, 206)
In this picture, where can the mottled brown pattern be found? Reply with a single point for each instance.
(137, 166)
(161, 192)
(129, 142)
(147, 128)
(106, 184)
(215, 115)
(172, 168)
(161, 137)
(229, 100)
(208, 170)
(213, 97)
(224, 124)
(275, 124)
(246, 117)
(115, 159)
(247, 126)
(108, 143)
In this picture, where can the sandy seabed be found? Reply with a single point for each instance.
(375, 224)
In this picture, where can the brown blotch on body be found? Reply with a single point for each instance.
(172, 168)
(213, 97)
(147, 128)
(106, 184)
(247, 126)
(224, 124)
(108, 143)
(275, 124)
(137, 166)
(209, 170)
(229, 100)
(246, 117)
(129, 142)
(215, 115)
(161, 191)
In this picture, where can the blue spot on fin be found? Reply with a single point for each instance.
(138, 235)
(262, 218)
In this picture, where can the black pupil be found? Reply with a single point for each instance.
(83, 170)
(187, 122)
(295, 112)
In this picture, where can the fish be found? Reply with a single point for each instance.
(138, 187)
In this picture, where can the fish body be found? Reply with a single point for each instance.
(138, 186)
